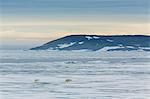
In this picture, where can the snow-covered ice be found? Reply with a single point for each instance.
(74, 74)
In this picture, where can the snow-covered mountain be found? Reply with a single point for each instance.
(95, 42)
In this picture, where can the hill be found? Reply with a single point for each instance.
(96, 42)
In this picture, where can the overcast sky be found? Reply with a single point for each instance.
(50, 19)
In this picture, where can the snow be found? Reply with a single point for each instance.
(109, 40)
(94, 75)
(107, 48)
(93, 37)
(66, 45)
(120, 45)
(96, 37)
(129, 46)
(89, 37)
(145, 48)
(80, 42)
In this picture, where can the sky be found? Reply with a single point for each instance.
(32, 22)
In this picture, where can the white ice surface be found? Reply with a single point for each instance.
(94, 75)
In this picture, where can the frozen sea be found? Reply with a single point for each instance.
(74, 74)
